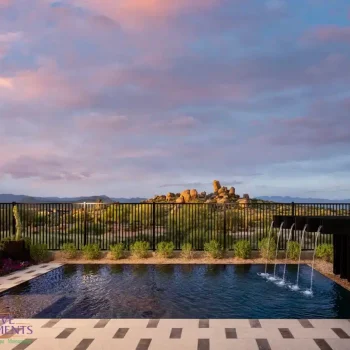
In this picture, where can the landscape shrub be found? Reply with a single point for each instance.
(91, 251)
(242, 249)
(213, 249)
(293, 250)
(267, 250)
(186, 251)
(117, 251)
(325, 252)
(139, 249)
(165, 249)
(70, 251)
(39, 252)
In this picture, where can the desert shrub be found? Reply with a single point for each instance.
(27, 242)
(39, 252)
(69, 250)
(242, 249)
(293, 250)
(139, 249)
(267, 250)
(325, 252)
(117, 251)
(213, 249)
(165, 249)
(91, 251)
(186, 251)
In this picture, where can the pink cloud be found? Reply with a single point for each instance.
(135, 14)
(47, 84)
(5, 3)
(103, 122)
(330, 34)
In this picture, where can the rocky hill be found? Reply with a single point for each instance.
(220, 194)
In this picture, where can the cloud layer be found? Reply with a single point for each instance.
(124, 97)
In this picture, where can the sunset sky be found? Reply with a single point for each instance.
(141, 97)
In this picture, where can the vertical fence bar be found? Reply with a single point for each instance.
(85, 228)
(224, 226)
(154, 225)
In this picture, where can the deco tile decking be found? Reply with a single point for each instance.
(145, 334)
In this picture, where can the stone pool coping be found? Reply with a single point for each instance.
(15, 278)
(174, 334)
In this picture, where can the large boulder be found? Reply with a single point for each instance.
(194, 194)
(186, 195)
(232, 191)
(202, 194)
(216, 186)
(222, 190)
(170, 196)
(180, 200)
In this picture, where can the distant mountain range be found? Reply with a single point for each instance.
(286, 199)
(9, 198)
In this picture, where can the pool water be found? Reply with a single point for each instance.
(175, 291)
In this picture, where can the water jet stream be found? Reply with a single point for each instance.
(268, 248)
(285, 259)
(278, 240)
(313, 260)
(301, 243)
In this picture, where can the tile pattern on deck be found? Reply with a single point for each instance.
(18, 277)
(173, 334)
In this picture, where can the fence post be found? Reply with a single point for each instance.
(13, 220)
(85, 228)
(154, 225)
(293, 214)
(224, 226)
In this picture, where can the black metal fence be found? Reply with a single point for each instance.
(82, 223)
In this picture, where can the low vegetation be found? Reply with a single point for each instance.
(165, 249)
(117, 251)
(325, 252)
(70, 251)
(39, 252)
(213, 249)
(91, 251)
(139, 249)
(242, 249)
(293, 250)
(187, 251)
(267, 248)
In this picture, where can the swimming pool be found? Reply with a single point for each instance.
(174, 291)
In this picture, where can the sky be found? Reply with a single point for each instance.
(141, 97)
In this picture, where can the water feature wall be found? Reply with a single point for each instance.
(338, 226)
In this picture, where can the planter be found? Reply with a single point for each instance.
(16, 250)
